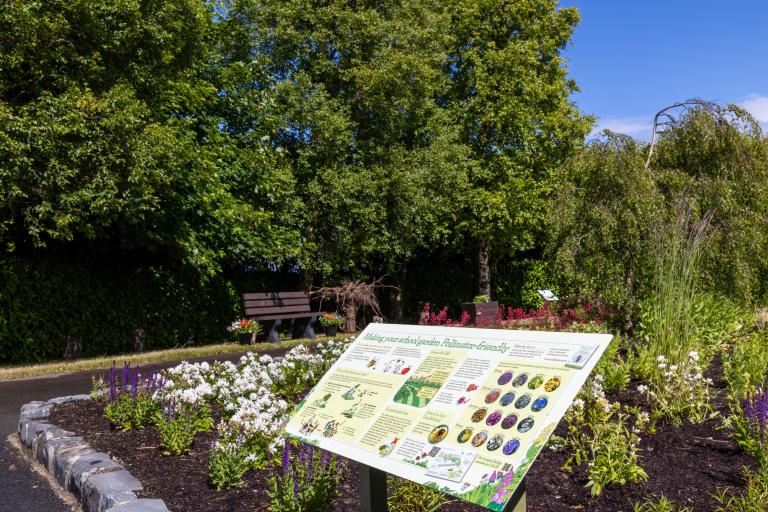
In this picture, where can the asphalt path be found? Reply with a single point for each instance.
(21, 489)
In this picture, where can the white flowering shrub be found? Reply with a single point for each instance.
(603, 436)
(255, 396)
(679, 392)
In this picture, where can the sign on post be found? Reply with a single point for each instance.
(464, 411)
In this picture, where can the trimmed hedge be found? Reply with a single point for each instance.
(102, 302)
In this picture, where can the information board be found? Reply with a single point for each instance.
(464, 411)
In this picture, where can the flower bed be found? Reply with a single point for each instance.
(249, 401)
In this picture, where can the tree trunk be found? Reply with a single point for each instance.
(137, 340)
(398, 308)
(307, 279)
(483, 269)
(350, 317)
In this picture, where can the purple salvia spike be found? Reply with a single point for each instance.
(286, 461)
(135, 383)
(295, 484)
(325, 459)
(126, 375)
(303, 455)
(311, 464)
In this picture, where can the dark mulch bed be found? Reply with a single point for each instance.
(686, 464)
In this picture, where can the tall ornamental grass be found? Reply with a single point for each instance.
(668, 317)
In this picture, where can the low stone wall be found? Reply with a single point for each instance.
(101, 484)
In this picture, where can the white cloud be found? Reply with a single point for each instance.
(638, 127)
(757, 105)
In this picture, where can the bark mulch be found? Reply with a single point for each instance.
(687, 464)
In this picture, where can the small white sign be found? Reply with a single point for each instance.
(548, 295)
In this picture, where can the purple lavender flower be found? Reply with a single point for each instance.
(286, 461)
(126, 375)
(295, 484)
(303, 455)
(756, 411)
(325, 459)
(311, 464)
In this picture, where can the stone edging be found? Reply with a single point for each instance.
(98, 482)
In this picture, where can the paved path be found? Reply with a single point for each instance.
(21, 489)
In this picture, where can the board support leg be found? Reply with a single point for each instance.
(373, 489)
(517, 502)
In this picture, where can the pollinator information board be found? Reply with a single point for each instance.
(464, 411)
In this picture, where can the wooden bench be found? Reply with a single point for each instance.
(275, 307)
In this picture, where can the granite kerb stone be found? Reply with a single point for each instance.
(100, 483)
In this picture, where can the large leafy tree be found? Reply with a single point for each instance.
(354, 89)
(108, 112)
(510, 96)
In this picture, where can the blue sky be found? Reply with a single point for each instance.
(632, 57)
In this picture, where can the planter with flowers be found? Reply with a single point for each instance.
(331, 323)
(246, 331)
(481, 311)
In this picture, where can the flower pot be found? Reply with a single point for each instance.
(248, 338)
(481, 314)
(330, 330)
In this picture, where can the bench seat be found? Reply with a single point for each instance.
(275, 307)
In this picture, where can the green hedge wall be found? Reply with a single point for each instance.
(102, 302)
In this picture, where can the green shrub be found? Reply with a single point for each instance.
(102, 301)
(407, 496)
(746, 366)
(662, 504)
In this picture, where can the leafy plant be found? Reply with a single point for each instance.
(680, 391)
(753, 499)
(481, 298)
(614, 368)
(245, 326)
(307, 482)
(407, 496)
(130, 405)
(600, 435)
(228, 463)
(177, 427)
(667, 317)
(662, 504)
(331, 320)
(614, 454)
(745, 367)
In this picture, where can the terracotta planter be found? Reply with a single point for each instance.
(481, 314)
(331, 330)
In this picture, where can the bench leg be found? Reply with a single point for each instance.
(309, 330)
(273, 335)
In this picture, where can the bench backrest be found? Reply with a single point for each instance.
(263, 304)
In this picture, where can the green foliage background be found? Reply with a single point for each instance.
(158, 158)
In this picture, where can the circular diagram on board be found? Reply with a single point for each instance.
(507, 399)
(493, 418)
(479, 439)
(509, 421)
(520, 380)
(438, 434)
(535, 382)
(479, 414)
(464, 435)
(525, 425)
(523, 401)
(504, 378)
(492, 396)
(511, 447)
(552, 384)
(539, 404)
(495, 443)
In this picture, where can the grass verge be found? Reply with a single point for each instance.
(158, 356)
